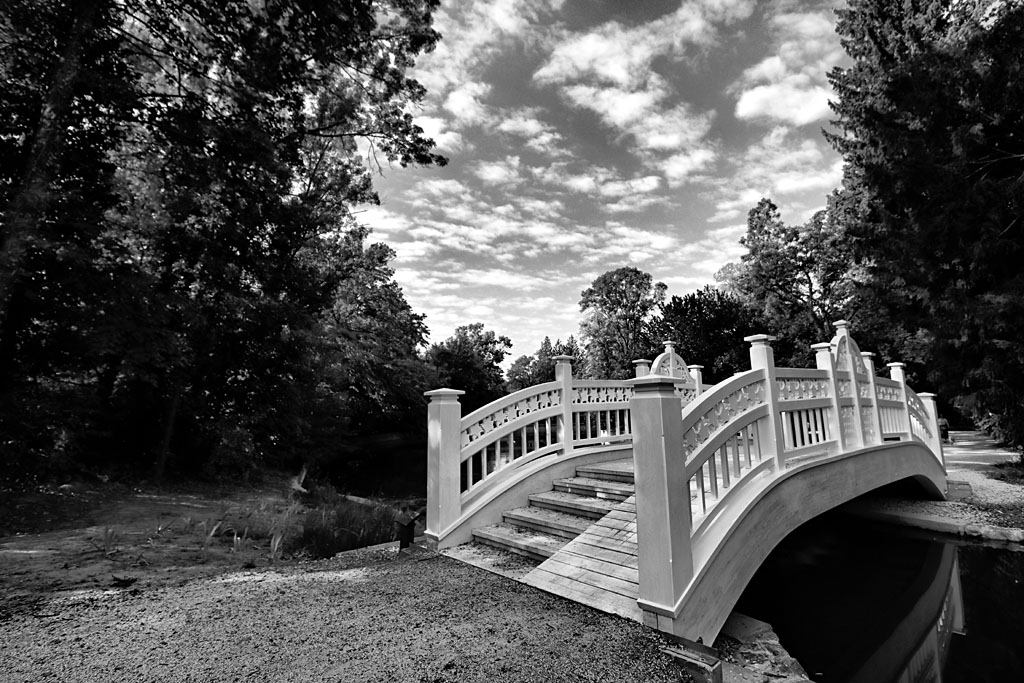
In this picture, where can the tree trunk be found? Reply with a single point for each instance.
(164, 449)
(30, 201)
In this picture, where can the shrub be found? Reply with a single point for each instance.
(345, 525)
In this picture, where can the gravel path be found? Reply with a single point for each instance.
(993, 510)
(369, 615)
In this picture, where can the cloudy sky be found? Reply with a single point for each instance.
(586, 135)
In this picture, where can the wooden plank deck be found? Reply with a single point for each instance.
(599, 567)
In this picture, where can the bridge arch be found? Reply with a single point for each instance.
(733, 548)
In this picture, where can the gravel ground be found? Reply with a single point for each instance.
(370, 615)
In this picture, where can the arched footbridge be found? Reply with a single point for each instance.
(658, 498)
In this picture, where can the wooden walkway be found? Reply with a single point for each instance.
(599, 567)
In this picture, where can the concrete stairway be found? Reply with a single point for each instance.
(555, 517)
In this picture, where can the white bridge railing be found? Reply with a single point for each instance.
(474, 456)
(764, 420)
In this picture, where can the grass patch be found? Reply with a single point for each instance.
(1010, 472)
(342, 525)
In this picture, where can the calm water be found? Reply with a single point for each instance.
(869, 603)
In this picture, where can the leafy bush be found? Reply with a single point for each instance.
(345, 525)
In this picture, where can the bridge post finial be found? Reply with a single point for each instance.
(641, 367)
(444, 447)
(663, 516)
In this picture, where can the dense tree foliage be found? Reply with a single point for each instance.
(540, 367)
(709, 326)
(799, 279)
(618, 326)
(930, 116)
(470, 361)
(179, 272)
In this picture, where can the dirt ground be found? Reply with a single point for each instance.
(59, 540)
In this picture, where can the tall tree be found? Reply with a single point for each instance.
(540, 367)
(470, 360)
(799, 279)
(619, 309)
(929, 118)
(708, 327)
(174, 175)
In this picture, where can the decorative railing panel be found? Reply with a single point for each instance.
(495, 416)
(720, 439)
(706, 418)
(892, 411)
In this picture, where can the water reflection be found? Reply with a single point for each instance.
(864, 603)
(925, 632)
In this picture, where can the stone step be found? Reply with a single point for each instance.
(527, 542)
(596, 488)
(552, 522)
(573, 503)
(617, 470)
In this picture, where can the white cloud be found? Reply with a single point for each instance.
(436, 129)
(791, 86)
(789, 101)
(621, 56)
(444, 187)
(505, 172)
(783, 165)
(384, 223)
(536, 134)
(611, 71)
(465, 103)
(679, 167)
(636, 203)
(523, 124)
(621, 188)
(474, 33)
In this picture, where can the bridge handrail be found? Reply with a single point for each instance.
(702, 419)
(491, 418)
(766, 420)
